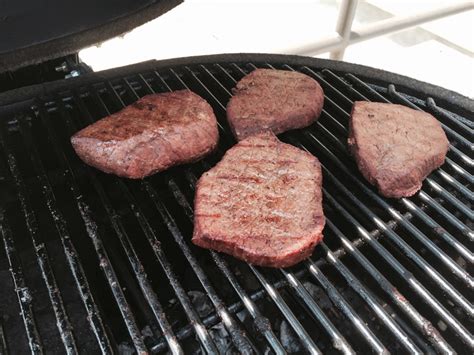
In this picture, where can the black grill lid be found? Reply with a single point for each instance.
(35, 31)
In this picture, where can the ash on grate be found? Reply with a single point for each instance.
(280, 326)
(222, 339)
(204, 309)
(288, 338)
(317, 293)
(219, 334)
(201, 303)
(125, 348)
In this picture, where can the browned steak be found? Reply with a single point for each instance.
(275, 100)
(395, 147)
(261, 203)
(151, 135)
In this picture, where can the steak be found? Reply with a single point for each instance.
(261, 203)
(275, 100)
(151, 135)
(395, 147)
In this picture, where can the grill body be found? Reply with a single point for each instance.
(91, 262)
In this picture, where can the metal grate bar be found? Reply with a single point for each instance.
(335, 77)
(415, 209)
(342, 305)
(214, 319)
(183, 298)
(3, 341)
(422, 194)
(370, 299)
(460, 272)
(425, 218)
(411, 251)
(278, 300)
(339, 342)
(426, 295)
(262, 323)
(379, 97)
(461, 171)
(138, 270)
(209, 92)
(447, 237)
(396, 328)
(453, 149)
(70, 252)
(420, 322)
(408, 251)
(301, 292)
(62, 320)
(132, 256)
(453, 200)
(455, 183)
(403, 245)
(461, 124)
(23, 292)
(448, 215)
(446, 177)
(455, 135)
(178, 78)
(337, 337)
(406, 236)
(347, 114)
(403, 272)
(286, 311)
(92, 231)
(186, 303)
(389, 290)
(238, 336)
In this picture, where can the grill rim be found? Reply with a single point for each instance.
(447, 98)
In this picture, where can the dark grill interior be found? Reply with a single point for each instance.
(93, 262)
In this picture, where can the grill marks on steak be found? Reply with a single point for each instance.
(151, 135)
(395, 147)
(261, 203)
(275, 100)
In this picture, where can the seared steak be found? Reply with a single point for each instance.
(275, 100)
(395, 147)
(261, 203)
(151, 135)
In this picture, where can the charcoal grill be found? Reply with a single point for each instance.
(95, 263)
